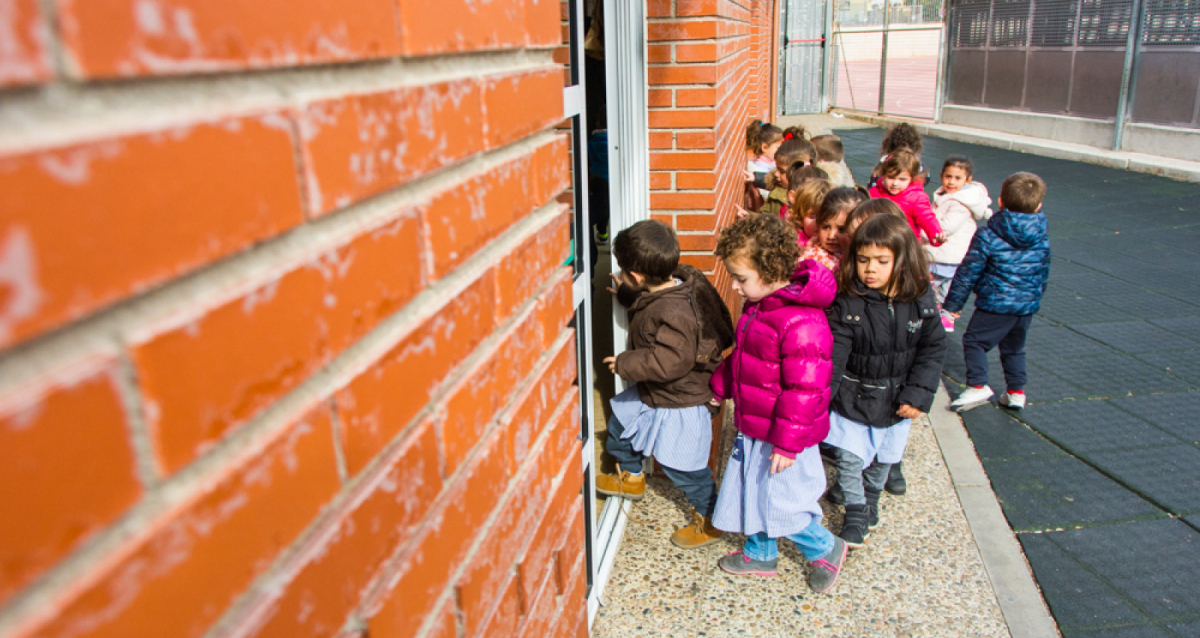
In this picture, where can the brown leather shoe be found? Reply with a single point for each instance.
(698, 534)
(625, 485)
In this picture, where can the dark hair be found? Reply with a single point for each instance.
(809, 197)
(836, 201)
(760, 134)
(797, 131)
(829, 148)
(901, 160)
(903, 135)
(798, 173)
(648, 248)
(960, 161)
(767, 242)
(794, 150)
(1022, 192)
(910, 273)
(872, 207)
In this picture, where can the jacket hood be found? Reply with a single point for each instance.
(686, 275)
(973, 195)
(1020, 230)
(812, 285)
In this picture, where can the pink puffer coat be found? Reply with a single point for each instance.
(917, 209)
(780, 370)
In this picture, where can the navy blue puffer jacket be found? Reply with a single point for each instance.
(1007, 266)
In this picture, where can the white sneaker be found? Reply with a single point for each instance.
(1013, 401)
(972, 398)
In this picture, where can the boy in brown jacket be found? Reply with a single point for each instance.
(678, 328)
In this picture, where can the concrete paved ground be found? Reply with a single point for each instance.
(1100, 475)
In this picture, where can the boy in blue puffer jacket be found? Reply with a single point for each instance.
(1007, 268)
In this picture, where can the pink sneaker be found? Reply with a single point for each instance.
(948, 323)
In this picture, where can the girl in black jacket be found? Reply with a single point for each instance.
(887, 361)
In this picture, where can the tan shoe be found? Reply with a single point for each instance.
(624, 485)
(698, 534)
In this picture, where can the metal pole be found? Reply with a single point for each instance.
(939, 95)
(1128, 79)
(887, 10)
(827, 55)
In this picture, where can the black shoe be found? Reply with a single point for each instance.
(895, 481)
(872, 507)
(835, 496)
(855, 529)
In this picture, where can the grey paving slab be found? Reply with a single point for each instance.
(1178, 413)
(1184, 364)
(1058, 342)
(1063, 266)
(1150, 305)
(1113, 375)
(1095, 283)
(1169, 475)
(1139, 631)
(1134, 336)
(1186, 327)
(1093, 426)
(1186, 630)
(999, 436)
(1077, 309)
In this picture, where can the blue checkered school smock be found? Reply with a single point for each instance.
(678, 438)
(753, 500)
(866, 442)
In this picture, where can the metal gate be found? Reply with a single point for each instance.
(887, 56)
(802, 52)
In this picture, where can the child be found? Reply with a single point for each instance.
(805, 198)
(678, 328)
(865, 210)
(897, 184)
(778, 376)
(957, 204)
(831, 240)
(903, 135)
(1007, 267)
(762, 140)
(795, 152)
(831, 158)
(887, 362)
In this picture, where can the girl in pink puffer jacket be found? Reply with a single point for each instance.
(779, 378)
(898, 182)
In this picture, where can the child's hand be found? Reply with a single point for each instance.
(612, 364)
(908, 412)
(940, 238)
(956, 315)
(714, 402)
(616, 284)
(741, 212)
(780, 462)
(749, 175)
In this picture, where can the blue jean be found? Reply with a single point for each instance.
(814, 541)
(988, 330)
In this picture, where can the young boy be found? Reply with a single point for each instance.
(678, 328)
(1007, 267)
(831, 158)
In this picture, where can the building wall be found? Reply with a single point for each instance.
(284, 326)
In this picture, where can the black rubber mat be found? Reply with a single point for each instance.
(1186, 327)
(1184, 364)
(1186, 630)
(1169, 475)
(1178, 413)
(1055, 342)
(1095, 283)
(1133, 336)
(1137, 631)
(998, 436)
(1080, 310)
(1150, 305)
(1093, 426)
(1113, 375)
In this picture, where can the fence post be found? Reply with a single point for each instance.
(887, 10)
(1128, 78)
(943, 70)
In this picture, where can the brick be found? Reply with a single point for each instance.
(658, 53)
(666, 219)
(698, 242)
(536, 566)
(684, 160)
(503, 622)
(552, 168)
(701, 52)
(531, 408)
(357, 146)
(427, 28)
(526, 268)
(517, 353)
(706, 263)
(471, 406)
(203, 379)
(556, 306)
(564, 429)
(573, 543)
(699, 181)
(25, 59)
(681, 74)
(658, 8)
(696, 97)
(696, 140)
(59, 486)
(114, 38)
(681, 201)
(179, 574)
(425, 571)
(518, 105)
(164, 202)
(445, 626)
(573, 620)
(662, 139)
(540, 615)
(659, 97)
(681, 30)
(696, 8)
(677, 118)
(370, 414)
(543, 23)
(660, 181)
(327, 585)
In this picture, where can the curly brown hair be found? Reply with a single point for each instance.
(903, 135)
(766, 242)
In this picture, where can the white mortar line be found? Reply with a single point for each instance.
(148, 468)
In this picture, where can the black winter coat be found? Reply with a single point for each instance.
(885, 354)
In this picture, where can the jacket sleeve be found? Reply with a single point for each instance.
(671, 356)
(923, 214)
(721, 382)
(926, 372)
(800, 418)
(968, 273)
(843, 341)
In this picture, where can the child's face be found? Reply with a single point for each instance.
(769, 149)
(833, 236)
(874, 267)
(954, 178)
(746, 280)
(810, 224)
(895, 184)
(781, 177)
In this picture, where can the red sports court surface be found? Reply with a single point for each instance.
(910, 89)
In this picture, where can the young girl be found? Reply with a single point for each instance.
(778, 376)
(829, 243)
(762, 140)
(958, 203)
(903, 135)
(898, 185)
(795, 152)
(887, 362)
(804, 199)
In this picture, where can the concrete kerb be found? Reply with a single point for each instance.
(1017, 592)
(1181, 170)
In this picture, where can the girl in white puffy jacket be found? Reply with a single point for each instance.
(958, 203)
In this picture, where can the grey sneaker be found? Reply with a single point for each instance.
(824, 572)
(740, 564)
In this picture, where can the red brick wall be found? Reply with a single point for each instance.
(283, 325)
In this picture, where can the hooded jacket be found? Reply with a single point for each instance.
(777, 202)
(915, 204)
(1007, 266)
(885, 354)
(778, 374)
(677, 337)
(957, 213)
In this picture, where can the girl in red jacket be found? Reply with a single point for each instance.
(898, 184)
(778, 376)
